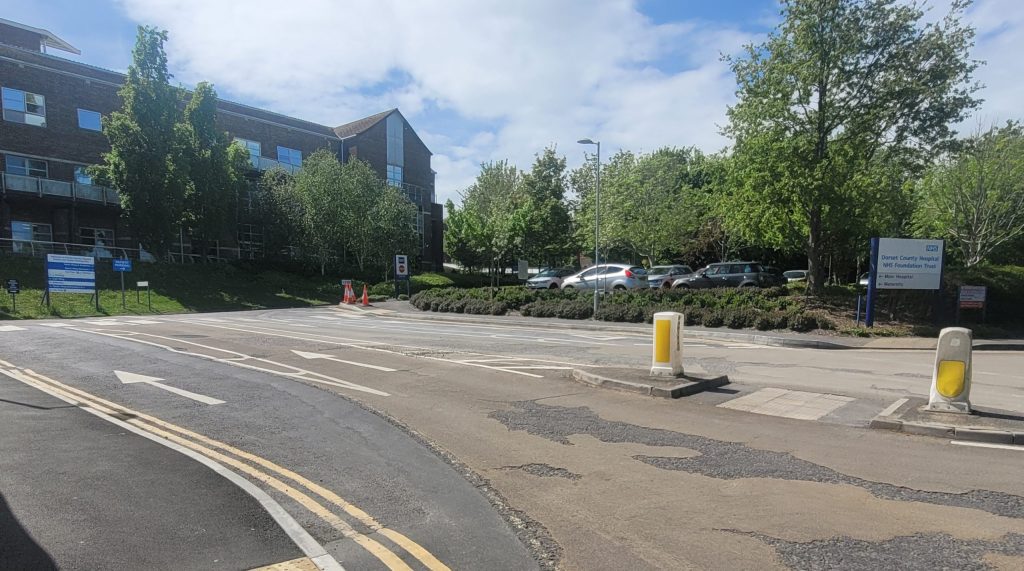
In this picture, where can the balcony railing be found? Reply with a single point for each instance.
(49, 187)
(265, 164)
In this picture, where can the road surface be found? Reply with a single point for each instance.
(396, 442)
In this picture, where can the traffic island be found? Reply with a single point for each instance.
(641, 382)
(982, 425)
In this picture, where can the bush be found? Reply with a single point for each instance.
(564, 308)
(802, 322)
(620, 313)
(822, 320)
(378, 298)
(739, 318)
(770, 321)
(386, 289)
(713, 318)
(403, 297)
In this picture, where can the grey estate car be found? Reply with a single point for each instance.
(550, 278)
(663, 276)
(607, 277)
(729, 274)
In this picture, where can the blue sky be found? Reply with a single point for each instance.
(484, 80)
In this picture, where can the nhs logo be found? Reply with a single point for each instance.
(932, 248)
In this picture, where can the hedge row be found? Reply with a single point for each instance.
(738, 309)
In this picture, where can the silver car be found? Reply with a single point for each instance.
(663, 276)
(608, 277)
(550, 278)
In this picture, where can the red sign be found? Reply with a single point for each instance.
(972, 297)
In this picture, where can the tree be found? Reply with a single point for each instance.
(278, 209)
(319, 192)
(394, 220)
(379, 221)
(844, 94)
(976, 198)
(215, 166)
(548, 239)
(145, 163)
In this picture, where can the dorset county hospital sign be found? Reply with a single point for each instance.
(909, 264)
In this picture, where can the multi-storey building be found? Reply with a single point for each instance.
(50, 133)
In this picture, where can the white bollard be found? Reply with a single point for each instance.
(951, 379)
(668, 344)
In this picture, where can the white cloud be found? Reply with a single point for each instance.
(515, 76)
(526, 74)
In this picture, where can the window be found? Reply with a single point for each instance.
(394, 175)
(591, 272)
(26, 166)
(395, 133)
(96, 236)
(254, 150)
(82, 175)
(24, 107)
(89, 120)
(289, 156)
(29, 232)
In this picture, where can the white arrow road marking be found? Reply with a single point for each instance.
(128, 378)
(306, 355)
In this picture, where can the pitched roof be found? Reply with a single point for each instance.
(46, 37)
(360, 125)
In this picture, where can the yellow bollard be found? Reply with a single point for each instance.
(951, 379)
(668, 344)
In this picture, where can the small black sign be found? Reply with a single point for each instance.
(13, 286)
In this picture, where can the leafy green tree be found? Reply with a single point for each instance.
(216, 170)
(975, 198)
(319, 192)
(841, 97)
(145, 163)
(462, 240)
(549, 238)
(394, 220)
(278, 210)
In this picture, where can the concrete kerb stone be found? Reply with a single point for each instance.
(685, 386)
(984, 435)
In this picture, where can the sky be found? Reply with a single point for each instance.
(485, 80)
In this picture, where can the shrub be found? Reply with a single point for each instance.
(386, 289)
(378, 298)
(771, 320)
(802, 322)
(620, 313)
(822, 320)
(713, 318)
(693, 316)
(403, 297)
(739, 318)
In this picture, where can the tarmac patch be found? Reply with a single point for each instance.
(545, 471)
(728, 460)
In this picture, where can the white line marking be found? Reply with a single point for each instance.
(11, 328)
(142, 321)
(316, 552)
(306, 355)
(129, 378)
(236, 361)
(987, 445)
(55, 324)
(892, 408)
(552, 368)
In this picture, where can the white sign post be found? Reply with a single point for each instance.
(898, 263)
(402, 272)
(71, 274)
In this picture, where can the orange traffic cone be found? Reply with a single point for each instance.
(350, 296)
(366, 297)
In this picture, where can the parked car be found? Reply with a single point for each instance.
(795, 275)
(776, 275)
(663, 276)
(607, 277)
(725, 274)
(550, 278)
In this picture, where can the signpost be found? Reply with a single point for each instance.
(149, 298)
(14, 288)
(898, 263)
(121, 266)
(971, 297)
(402, 272)
(71, 274)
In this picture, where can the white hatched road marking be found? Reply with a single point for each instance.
(11, 328)
(55, 324)
(892, 408)
(987, 445)
(800, 405)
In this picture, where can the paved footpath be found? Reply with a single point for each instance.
(583, 478)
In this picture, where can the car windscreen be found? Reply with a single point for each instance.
(660, 270)
(638, 270)
(547, 274)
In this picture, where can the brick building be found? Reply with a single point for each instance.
(50, 132)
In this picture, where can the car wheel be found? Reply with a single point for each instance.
(568, 287)
(619, 288)
(666, 286)
(553, 286)
(681, 286)
(748, 284)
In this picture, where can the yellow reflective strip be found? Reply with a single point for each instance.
(300, 564)
(951, 378)
(662, 340)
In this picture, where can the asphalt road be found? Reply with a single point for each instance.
(484, 455)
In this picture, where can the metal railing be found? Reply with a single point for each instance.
(49, 187)
(39, 249)
(265, 164)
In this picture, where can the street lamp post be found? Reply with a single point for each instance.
(597, 213)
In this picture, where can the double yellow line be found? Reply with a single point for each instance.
(260, 469)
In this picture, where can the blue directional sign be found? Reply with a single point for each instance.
(70, 274)
(122, 265)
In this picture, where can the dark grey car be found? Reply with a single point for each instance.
(663, 276)
(728, 274)
(550, 278)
